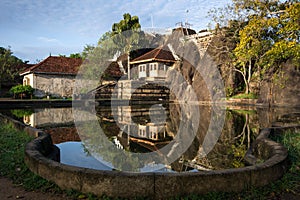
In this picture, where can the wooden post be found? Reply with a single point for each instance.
(128, 67)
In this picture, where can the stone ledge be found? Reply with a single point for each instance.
(161, 185)
(156, 185)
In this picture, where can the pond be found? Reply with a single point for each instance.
(141, 130)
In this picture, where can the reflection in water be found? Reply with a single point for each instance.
(58, 122)
(76, 148)
(144, 129)
(141, 129)
(46, 117)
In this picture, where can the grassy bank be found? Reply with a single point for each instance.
(12, 160)
(244, 96)
(12, 165)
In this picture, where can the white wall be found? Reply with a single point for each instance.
(142, 70)
(29, 77)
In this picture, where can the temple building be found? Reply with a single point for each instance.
(154, 64)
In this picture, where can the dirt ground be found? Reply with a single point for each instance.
(10, 191)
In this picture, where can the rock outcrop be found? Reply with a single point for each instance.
(281, 87)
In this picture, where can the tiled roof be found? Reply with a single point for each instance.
(185, 31)
(159, 54)
(112, 71)
(55, 65)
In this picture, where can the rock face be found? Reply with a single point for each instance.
(193, 77)
(281, 88)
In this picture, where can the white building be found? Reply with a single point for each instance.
(54, 76)
(154, 64)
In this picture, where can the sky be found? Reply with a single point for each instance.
(34, 29)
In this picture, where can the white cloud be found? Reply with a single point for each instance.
(48, 40)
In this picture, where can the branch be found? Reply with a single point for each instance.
(239, 71)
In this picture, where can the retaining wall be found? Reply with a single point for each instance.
(40, 156)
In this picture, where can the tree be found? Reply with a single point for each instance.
(127, 34)
(10, 66)
(75, 55)
(268, 35)
(87, 50)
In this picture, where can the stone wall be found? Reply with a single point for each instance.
(158, 185)
(53, 85)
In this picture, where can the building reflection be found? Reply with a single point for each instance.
(49, 117)
(140, 128)
(58, 122)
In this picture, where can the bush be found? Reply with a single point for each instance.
(21, 91)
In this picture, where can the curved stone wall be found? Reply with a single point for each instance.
(42, 157)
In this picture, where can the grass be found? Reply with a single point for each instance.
(12, 166)
(244, 96)
(12, 160)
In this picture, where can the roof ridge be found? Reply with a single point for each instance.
(35, 66)
(158, 52)
(143, 55)
(52, 62)
(149, 52)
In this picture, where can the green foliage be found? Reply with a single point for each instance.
(127, 23)
(229, 91)
(264, 35)
(12, 160)
(20, 90)
(10, 66)
(245, 96)
(87, 50)
(75, 55)
(124, 36)
(291, 140)
(20, 113)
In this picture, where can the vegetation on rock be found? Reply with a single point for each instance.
(256, 36)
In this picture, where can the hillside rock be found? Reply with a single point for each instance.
(193, 77)
(281, 87)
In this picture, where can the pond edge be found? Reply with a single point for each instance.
(42, 157)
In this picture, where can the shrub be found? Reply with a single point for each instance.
(21, 91)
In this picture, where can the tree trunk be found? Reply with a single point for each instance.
(249, 76)
(247, 87)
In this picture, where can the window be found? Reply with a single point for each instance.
(26, 81)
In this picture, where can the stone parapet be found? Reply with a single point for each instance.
(41, 157)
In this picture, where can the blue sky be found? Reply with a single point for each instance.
(36, 28)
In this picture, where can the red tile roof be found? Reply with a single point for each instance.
(159, 54)
(112, 71)
(55, 65)
(185, 31)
